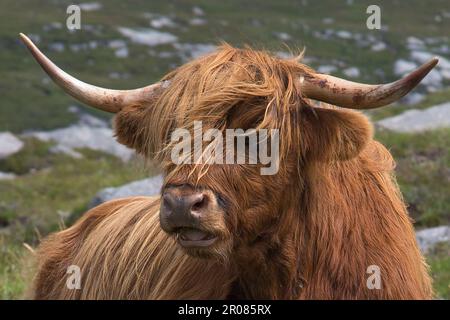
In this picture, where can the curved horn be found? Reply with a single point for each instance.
(105, 99)
(355, 95)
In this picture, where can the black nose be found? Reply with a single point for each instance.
(182, 209)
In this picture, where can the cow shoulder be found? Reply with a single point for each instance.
(56, 252)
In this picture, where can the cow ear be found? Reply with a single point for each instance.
(129, 127)
(334, 134)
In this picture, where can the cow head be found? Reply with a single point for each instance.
(216, 208)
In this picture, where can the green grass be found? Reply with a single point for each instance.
(423, 162)
(57, 187)
(423, 174)
(439, 261)
(14, 277)
(34, 155)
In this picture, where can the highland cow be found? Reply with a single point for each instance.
(332, 211)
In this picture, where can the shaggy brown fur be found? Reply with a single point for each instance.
(123, 254)
(308, 232)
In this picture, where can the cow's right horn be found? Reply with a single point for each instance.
(105, 99)
(353, 95)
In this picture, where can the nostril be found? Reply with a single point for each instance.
(183, 208)
(168, 203)
(198, 203)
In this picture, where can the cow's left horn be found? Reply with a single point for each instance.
(101, 98)
(355, 95)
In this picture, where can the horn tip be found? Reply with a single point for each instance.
(423, 70)
(25, 39)
(431, 63)
(434, 61)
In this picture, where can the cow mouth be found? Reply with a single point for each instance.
(189, 237)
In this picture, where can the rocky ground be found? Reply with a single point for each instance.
(413, 121)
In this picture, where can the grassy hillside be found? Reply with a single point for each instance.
(257, 23)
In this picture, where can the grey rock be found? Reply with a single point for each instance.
(378, 46)
(35, 38)
(351, 72)
(401, 67)
(90, 133)
(9, 144)
(327, 20)
(119, 75)
(427, 239)
(122, 52)
(343, 34)
(198, 11)
(419, 120)
(52, 26)
(91, 121)
(162, 22)
(7, 176)
(162, 54)
(56, 46)
(117, 44)
(190, 51)
(283, 36)
(95, 29)
(423, 56)
(413, 98)
(445, 74)
(197, 22)
(73, 109)
(147, 36)
(59, 148)
(433, 80)
(414, 43)
(145, 187)
(77, 47)
(90, 6)
(443, 49)
(327, 69)
(284, 55)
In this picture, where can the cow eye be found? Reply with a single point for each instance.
(221, 200)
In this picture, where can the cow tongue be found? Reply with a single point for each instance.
(194, 235)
